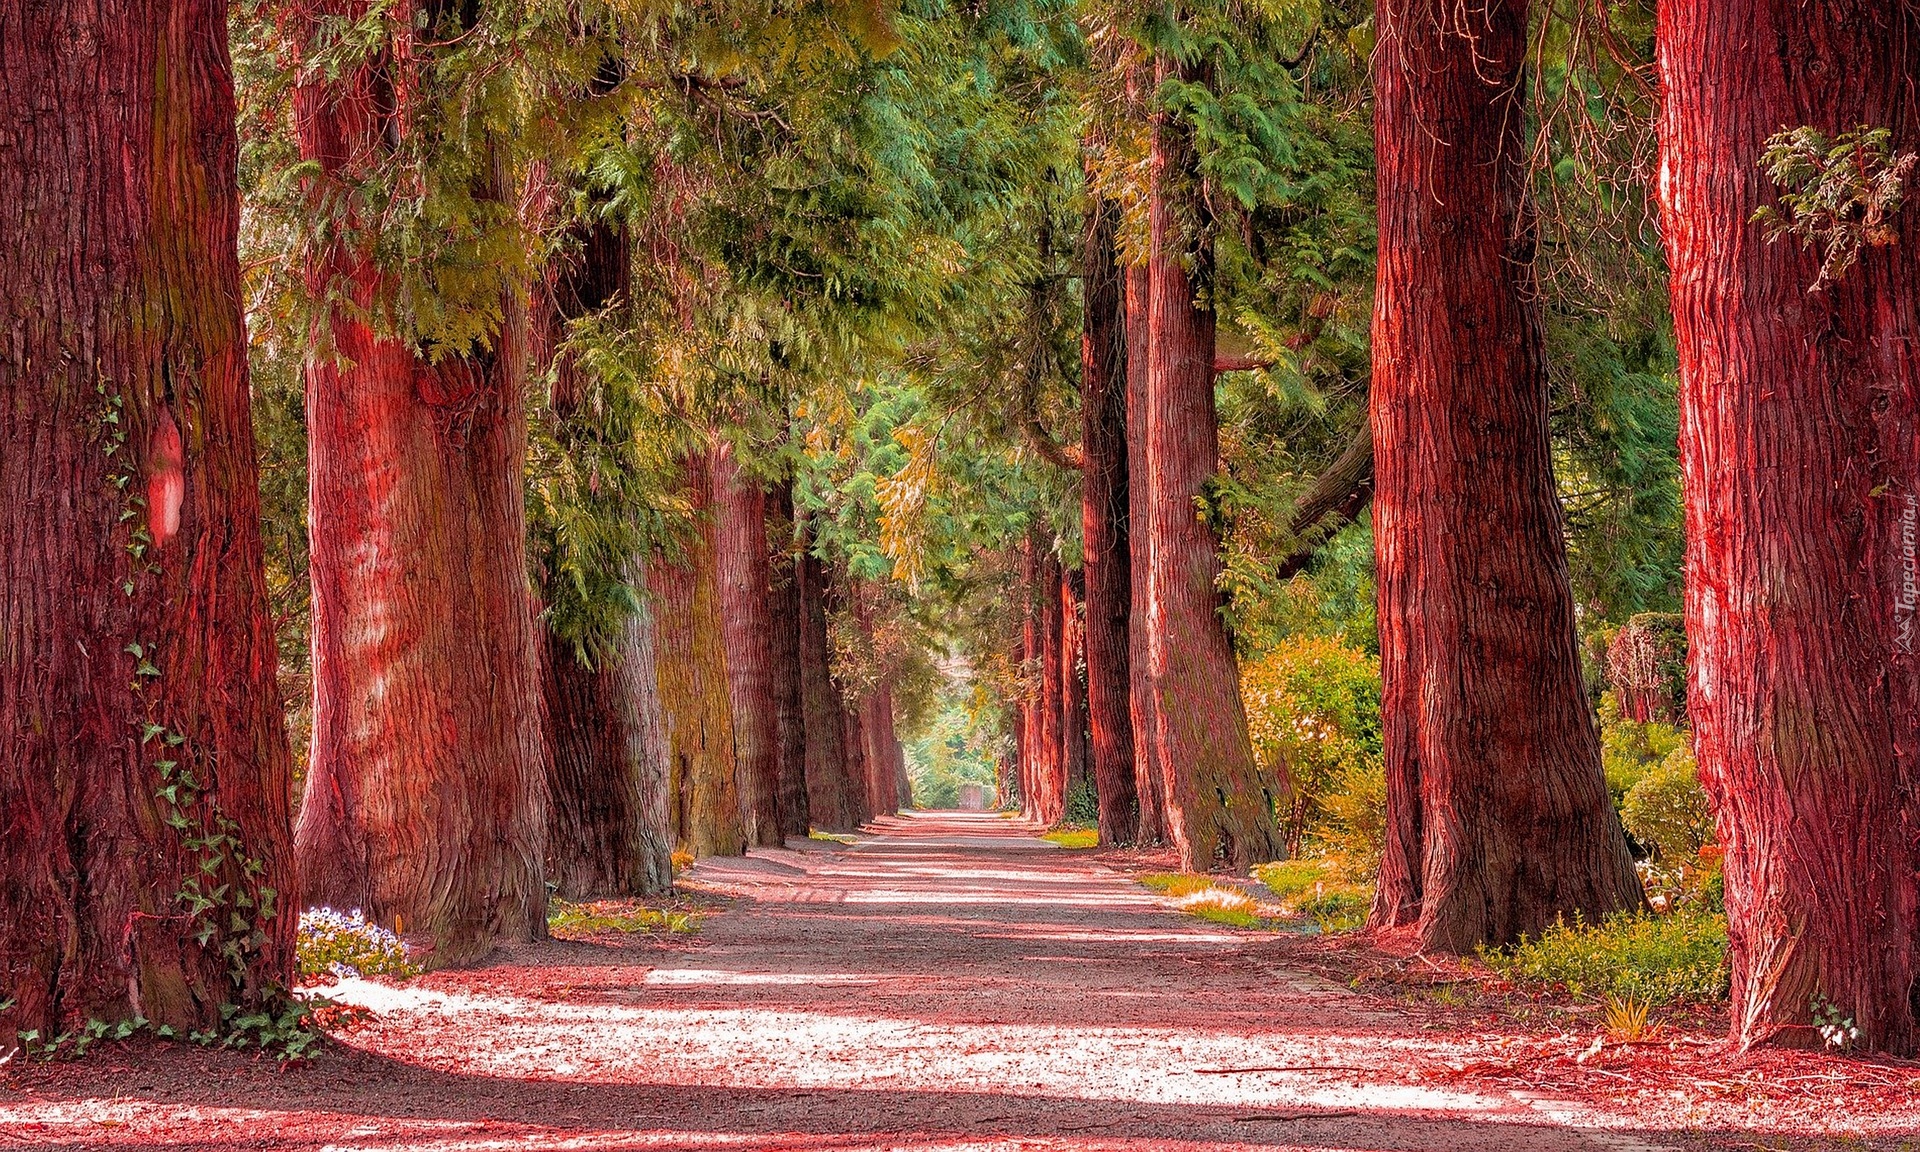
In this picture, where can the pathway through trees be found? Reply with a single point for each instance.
(949, 982)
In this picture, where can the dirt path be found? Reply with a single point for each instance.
(949, 982)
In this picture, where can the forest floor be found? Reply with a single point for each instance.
(952, 982)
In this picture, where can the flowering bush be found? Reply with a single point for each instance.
(347, 944)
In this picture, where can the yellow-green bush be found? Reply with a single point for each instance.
(1667, 959)
(1666, 809)
(1313, 704)
(1629, 749)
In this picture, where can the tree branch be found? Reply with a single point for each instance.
(1342, 491)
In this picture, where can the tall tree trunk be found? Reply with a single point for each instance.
(854, 733)
(1219, 805)
(746, 608)
(692, 663)
(139, 719)
(1073, 690)
(608, 830)
(608, 812)
(1149, 775)
(1498, 816)
(1048, 773)
(788, 693)
(1798, 439)
(832, 788)
(1104, 479)
(883, 762)
(426, 800)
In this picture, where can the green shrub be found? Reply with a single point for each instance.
(1313, 706)
(1339, 910)
(1629, 749)
(346, 944)
(1355, 830)
(1321, 890)
(1083, 805)
(1074, 837)
(1653, 959)
(1667, 810)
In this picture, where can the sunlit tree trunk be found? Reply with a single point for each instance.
(1498, 816)
(692, 666)
(1149, 775)
(1073, 690)
(1800, 449)
(1047, 773)
(788, 691)
(854, 734)
(135, 643)
(1103, 441)
(882, 750)
(1219, 805)
(426, 800)
(833, 793)
(746, 579)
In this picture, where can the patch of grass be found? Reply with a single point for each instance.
(1175, 883)
(680, 861)
(1074, 837)
(1320, 890)
(580, 921)
(1343, 910)
(1651, 960)
(832, 837)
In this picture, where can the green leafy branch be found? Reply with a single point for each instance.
(1841, 194)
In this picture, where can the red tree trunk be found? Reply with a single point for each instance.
(1219, 806)
(789, 697)
(692, 670)
(1800, 444)
(833, 792)
(1149, 775)
(1498, 816)
(138, 711)
(882, 750)
(854, 734)
(1048, 771)
(609, 829)
(746, 610)
(1103, 440)
(426, 800)
(1073, 690)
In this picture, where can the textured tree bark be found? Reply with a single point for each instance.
(1498, 816)
(882, 750)
(609, 827)
(1103, 441)
(789, 697)
(1798, 438)
(1219, 805)
(746, 609)
(1149, 775)
(692, 668)
(833, 795)
(854, 734)
(131, 589)
(426, 800)
(1047, 772)
(1073, 690)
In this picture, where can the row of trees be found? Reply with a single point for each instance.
(666, 377)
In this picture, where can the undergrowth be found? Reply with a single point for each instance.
(347, 944)
(1320, 890)
(1074, 837)
(575, 921)
(1652, 960)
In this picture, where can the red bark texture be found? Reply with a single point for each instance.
(426, 800)
(1104, 498)
(1498, 819)
(1799, 443)
(883, 753)
(853, 733)
(788, 692)
(692, 670)
(609, 827)
(1219, 805)
(1072, 692)
(1149, 775)
(833, 791)
(1043, 768)
(746, 612)
(131, 588)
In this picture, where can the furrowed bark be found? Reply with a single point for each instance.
(1073, 691)
(609, 826)
(1799, 443)
(1149, 775)
(692, 664)
(131, 589)
(1219, 805)
(1103, 439)
(1047, 774)
(789, 696)
(745, 577)
(426, 800)
(1498, 816)
(833, 795)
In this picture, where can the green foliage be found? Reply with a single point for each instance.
(578, 921)
(1074, 837)
(1656, 960)
(955, 748)
(1667, 810)
(1313, 711)
(1840, 194)
(1321, 890)
(1629, 750)
(331, 943)
(1083, 805)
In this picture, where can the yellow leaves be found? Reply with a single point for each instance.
(903, 503)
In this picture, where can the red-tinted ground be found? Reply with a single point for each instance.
(948, 983)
